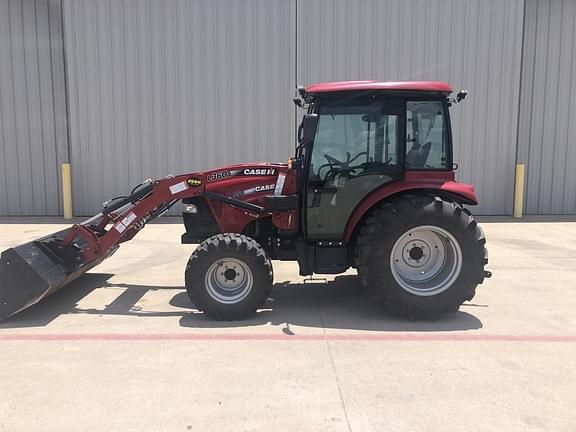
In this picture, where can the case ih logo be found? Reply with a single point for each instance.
(260, 171)
(255, 189)
(242, 172)
(264, 188)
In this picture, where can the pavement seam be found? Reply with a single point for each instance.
(332, 362)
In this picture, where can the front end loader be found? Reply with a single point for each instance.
(371, 186)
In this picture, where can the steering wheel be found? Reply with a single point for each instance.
(336, 166)
(356, 157)
(333, 161)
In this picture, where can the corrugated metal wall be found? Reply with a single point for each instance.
(160, 87)
(156, 87)
(547, 128)
(33, 136)
(475, 45)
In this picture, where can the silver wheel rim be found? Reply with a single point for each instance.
(426, 260)
(229, 280)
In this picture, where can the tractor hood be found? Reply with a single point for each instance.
(245, 181)
(249, 183)
(259, 169)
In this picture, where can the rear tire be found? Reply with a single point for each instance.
(421, 257)
(228, 277)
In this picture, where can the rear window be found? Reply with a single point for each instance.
(426, 136)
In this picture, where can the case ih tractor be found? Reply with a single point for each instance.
(371, 186)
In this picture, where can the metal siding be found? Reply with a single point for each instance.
(160, 87)
(32, 110)
(165, 87)
(471, 44)
(547, 130)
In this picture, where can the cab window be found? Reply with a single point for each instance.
(354, 141)
(426, 136)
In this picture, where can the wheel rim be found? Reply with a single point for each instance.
(229, 280)
(426, 260)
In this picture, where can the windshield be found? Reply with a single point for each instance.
(354, 140)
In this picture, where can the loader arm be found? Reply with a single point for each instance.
(34, 270)
(121, 221)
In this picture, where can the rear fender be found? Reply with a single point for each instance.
(448, 189)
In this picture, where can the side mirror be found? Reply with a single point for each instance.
(307, 129)
(459, 97)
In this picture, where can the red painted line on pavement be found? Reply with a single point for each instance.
(351, 337)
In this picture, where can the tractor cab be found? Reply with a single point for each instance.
(360, 136)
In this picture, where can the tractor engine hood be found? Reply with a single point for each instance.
(248, 182)
(223, 179)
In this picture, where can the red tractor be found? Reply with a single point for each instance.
(371, 186)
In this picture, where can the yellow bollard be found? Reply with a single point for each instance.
(519, 191)
(67, 190)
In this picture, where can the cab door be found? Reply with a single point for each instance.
(357, 149)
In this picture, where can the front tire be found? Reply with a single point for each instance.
(420, 256)
(228, 277)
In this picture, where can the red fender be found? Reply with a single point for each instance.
(441, 181)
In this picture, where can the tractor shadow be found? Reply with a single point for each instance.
(64, 301)
(338, 304)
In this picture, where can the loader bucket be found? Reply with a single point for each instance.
(34, 270)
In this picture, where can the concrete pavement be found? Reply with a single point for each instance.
(123, 349)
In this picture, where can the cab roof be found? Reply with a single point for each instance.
(337, 86)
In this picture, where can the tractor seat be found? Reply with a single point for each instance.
(417, 156)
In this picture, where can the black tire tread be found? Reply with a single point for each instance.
(379, 228)
(203, 256)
